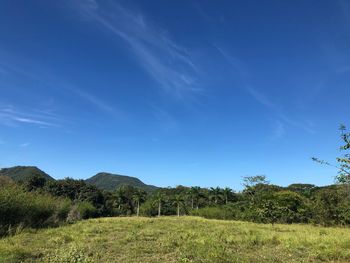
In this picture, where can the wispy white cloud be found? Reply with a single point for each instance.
(277, 111)
(168, 63)
(9, 116)
(234, 62)
(96, 101)
(262, 98)
(279, 130)
(42, 78)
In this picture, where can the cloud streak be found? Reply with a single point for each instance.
(95, 101)
(168, 63)
(263, 99)
(10, 117)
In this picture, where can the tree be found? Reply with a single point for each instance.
(194, 194)
(178, 201)
(343, 165)
(124, 199)
(215, 193)
(139, 196)
(36, 181)
(158, 198)
(227, 193)
(250, 182)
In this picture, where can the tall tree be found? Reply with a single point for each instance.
(138, 197)
(158, 198)
(194, 194)
(178, 201)
(227, 193)
(215, 193)
(250, 183)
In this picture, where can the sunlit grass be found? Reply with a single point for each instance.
(171, 239)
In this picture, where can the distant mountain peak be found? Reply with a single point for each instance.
(23, 173)
(110, 181)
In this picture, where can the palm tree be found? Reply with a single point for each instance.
(215, 193)
(194, 195)
(158, 198)
(178, 201)
(118, 198)
(226, 192)
(138, 197)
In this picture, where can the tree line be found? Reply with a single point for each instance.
(39, 203)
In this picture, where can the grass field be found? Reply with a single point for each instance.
(171, 239)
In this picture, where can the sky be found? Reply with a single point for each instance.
(175, 92)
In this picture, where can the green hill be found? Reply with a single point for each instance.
(23, 173)
(108, 181)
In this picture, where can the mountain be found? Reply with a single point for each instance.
(108, 181)
(23, 173)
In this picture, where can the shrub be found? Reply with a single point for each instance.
(29, 209)
(214, 212)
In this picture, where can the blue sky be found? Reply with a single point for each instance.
(175, 92)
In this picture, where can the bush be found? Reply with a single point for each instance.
(29, 209)
(214, 212)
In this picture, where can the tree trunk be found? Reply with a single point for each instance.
(138, 208)
(159, 208)
(226, 199)
(192, 202)
(178, 210)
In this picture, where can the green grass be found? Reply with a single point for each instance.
(171, 239)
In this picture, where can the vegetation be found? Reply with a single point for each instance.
(24, 173)
(107, 181)
(39, 201)
(172, 239)
(20, 208)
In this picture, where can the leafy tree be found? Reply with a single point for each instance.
(124, 199)
(343, 165)
(251, 182)
(269, 211)
(35, 182)
(330, 206)
(292, 206)
(303, 189)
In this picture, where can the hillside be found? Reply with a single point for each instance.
(23, 173)
(108, 181)
(184, 239)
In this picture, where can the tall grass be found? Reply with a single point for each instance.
(19, 208)
(172, 239)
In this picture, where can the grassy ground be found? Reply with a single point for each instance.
(171, 239)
